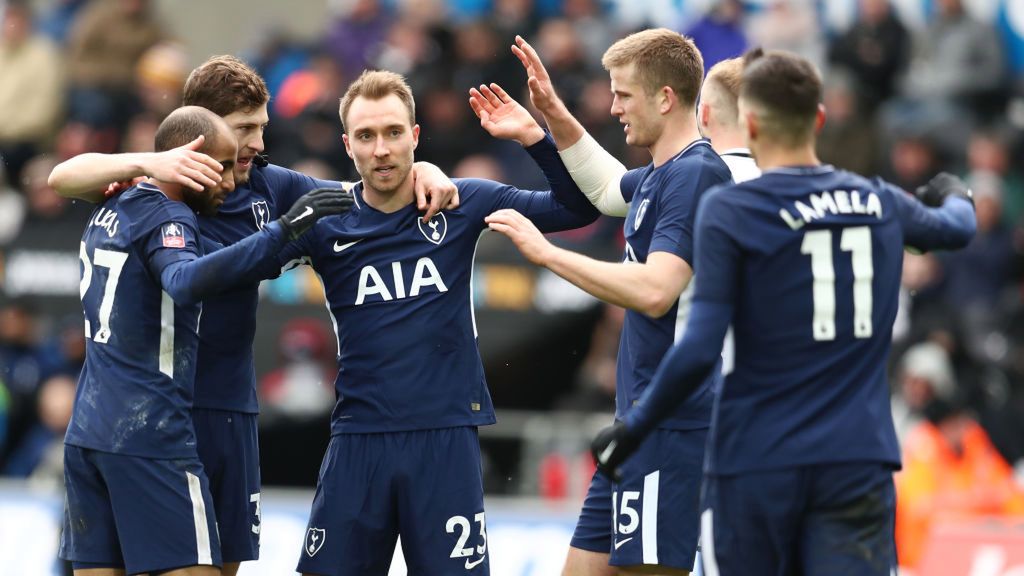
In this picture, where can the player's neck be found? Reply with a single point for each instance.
(769, 158)
(674, 138)
(388, 202)
(723, 140)
(170, 189)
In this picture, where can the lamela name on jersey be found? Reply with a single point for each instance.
(831, 202)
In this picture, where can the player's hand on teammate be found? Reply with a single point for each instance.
(542, 91)
(115, 188)
(611, 447)
(502, 117)
(527, 238)
(942, 186)
(313, 206)
(434, 190)
(186, 166)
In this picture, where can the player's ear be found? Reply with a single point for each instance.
(667, 99)
(415, 136)
(819, 119)
(703, 114)
(750, 122)
(348, 148)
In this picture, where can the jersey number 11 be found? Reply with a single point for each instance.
(818, 244)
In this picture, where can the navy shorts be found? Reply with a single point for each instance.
(835, 519)
(143, 514)
(424, 486)
(652, 516)
(229, 449)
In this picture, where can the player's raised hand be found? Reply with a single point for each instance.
(611, 447)
(502, 116)
(542, 91)
(434, 190)
(185, 165)
(942, 186)
(527, 238)
(313, 206)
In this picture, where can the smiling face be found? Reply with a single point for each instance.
(248, 127)
(381, 140)
(634, 108)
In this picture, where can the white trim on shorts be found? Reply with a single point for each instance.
(649, 517)
(195, 492)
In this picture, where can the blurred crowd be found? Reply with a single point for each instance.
(904, 100)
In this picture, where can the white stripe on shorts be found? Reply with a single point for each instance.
(707, 543)
(195, 492)
(650, 518)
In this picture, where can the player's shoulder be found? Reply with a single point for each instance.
(699, 164)
(469, 188)
(146, 207)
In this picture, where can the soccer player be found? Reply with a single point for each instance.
(647, 520)
(225, 407)
(718, 118)
(137, 497)
(805, 263)
(404, 458)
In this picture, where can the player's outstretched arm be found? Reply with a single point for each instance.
(87, 176)
(686, 365)
(650, 288)
(595, 171)
(255, 257)
(503, 117)
(943, 219)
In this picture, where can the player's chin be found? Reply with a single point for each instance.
(242, 175)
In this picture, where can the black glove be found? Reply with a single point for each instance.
(313, 206)
(611, 447)
(943, 185)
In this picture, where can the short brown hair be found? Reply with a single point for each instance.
(225, 84)
(786, 89)
(375, 85)
(661, 57)
(724, 78)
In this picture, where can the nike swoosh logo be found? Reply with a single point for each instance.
(621, 542)
(309, 210)
(346, 246)
(607, 452)
(472, 564)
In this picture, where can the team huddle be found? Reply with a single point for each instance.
(752, 435)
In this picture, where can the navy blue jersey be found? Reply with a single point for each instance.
(806, 263)
(399, 293)
(662, 204)
(225, 375)
(135, 390)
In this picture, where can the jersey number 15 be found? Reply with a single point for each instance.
(818, 244)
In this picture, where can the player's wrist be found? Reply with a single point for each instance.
(531, 136)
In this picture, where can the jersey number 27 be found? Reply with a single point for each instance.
(114, 262)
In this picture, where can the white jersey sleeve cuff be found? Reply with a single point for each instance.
(597, 173)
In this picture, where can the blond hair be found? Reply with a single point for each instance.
(723, 84)
(661, 57)
(376, 85)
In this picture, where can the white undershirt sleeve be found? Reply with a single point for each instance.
(597, 173)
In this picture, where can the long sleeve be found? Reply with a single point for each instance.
(946, 227)
(251, 260)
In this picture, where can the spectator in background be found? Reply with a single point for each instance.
(20, 366)
(301, 387)
(875, 51)
(356, 35)
(481, 57)
(951, 471)
(160, 77)
(104, 48)
(988, 151)
(512, 17)
(719, 34)
(956, 76)
(977, 275)
(594, 28)
(563, 55)
(913, 160)
(849, 138)
(30, 90)
(790, 25)
(41, 451)
(925, 376)
(64, 353)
